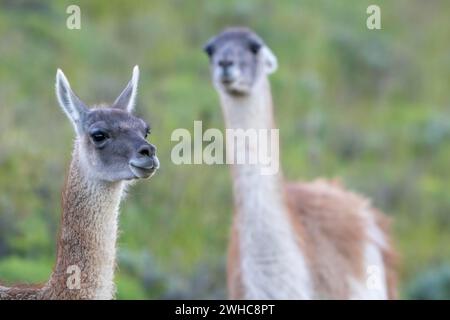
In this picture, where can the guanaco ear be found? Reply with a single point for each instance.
(74, 108)
(127, 99)
(208, 47)
(270, 60)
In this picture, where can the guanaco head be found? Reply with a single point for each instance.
(239, 59)
(111, 141)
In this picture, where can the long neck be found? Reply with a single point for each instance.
(252, 112)
(87, 241)
(270, 255)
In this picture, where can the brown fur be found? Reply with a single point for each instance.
(88, 211)
(331, 225)
(110, 148)
(329, 220)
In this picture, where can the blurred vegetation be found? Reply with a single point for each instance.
(433, 285)
(369, 106)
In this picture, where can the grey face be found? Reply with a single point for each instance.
(116, 146)
(238, 59)
(112, 141)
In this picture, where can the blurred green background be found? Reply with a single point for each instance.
(371, 107)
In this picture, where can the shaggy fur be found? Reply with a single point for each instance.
(87, 240)
(296, 240)
(331, 223)
(99, 172)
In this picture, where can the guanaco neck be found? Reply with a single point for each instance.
(269, 249)
(86, 250)
(251, 112)
(87, 241)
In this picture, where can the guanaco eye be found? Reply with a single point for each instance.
(254, 47)
(99, 136)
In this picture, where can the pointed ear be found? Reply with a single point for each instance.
(270, 61)
(127, 99)
(208, 47)
(74, 108)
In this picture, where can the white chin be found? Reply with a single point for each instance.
(140, 173)
(236, 89)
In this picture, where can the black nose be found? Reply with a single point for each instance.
(147, 150)
(225, 63)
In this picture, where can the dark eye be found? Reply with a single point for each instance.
(99, 136)
(147, 132)
(254, 47)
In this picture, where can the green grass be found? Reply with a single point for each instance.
(369, 106)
